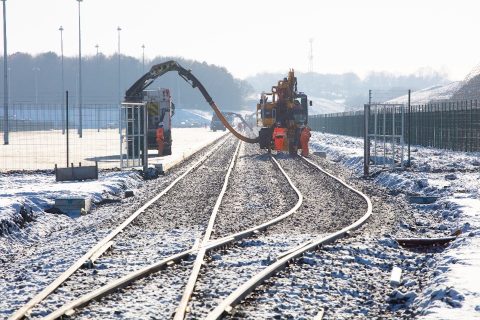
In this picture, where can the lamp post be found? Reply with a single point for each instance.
(119, 74)
(9, 86)
(63, 81)
(5, 77)
(79, 72)
(35, 71)
(143, 58)
(97, 66)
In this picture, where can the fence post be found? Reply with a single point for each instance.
(66, 127)
(366, 140)
(145, 141)
(409, 127)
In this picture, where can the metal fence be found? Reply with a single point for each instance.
(38, 137)
(453, 125)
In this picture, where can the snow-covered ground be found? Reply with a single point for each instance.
(454, 292)
(429, 94)
(322, 105)
(37, 191)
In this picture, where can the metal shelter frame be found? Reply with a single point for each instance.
(385, 125)
(133, 135)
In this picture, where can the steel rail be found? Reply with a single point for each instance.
(245, 289)
(113, 286)
(192, 280)
(97, 249)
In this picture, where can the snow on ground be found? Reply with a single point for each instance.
(429, 94)
(25, 196)
(321, 106)
(454, 177)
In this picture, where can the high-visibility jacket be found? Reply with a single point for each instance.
(160, 135)
(279, 136)
(304, 138)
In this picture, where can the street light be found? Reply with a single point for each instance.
(119, 92)
(143, 58)
(79, 72)
(5, 77)
(9, 86)
(63, 82)
(35, 71)
(97, 66)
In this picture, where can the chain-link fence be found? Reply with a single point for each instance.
(453, 125)
(38, 136)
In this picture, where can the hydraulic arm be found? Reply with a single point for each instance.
(134, 93)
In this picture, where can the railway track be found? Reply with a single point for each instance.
(103, 245)
(181, 262)
(235, 298)
(174, 262)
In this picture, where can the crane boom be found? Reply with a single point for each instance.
(134, 93)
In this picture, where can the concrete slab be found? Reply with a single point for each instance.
(41, 150)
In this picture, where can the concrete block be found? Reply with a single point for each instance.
(396, 277)
(73, 206)
(76, 173)
(423, 199)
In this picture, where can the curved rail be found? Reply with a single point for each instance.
(124, 281)
(244, 290)
(97, 250)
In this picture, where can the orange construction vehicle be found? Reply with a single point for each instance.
(281, 114)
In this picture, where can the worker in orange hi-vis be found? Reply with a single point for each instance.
(160, 137)
(279, 135)
(304, 138)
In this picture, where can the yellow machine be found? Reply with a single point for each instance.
(281, 114)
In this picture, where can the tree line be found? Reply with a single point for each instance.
(39, 79)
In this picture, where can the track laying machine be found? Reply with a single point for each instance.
(281, 118)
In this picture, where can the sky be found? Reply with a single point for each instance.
(249, 37)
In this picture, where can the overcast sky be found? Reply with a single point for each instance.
(252, 36)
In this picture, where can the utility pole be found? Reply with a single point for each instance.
(5, 77)
(80, 125)
(119, 74)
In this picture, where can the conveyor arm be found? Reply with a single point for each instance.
(134, 93)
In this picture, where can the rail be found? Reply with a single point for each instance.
(244, 290)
